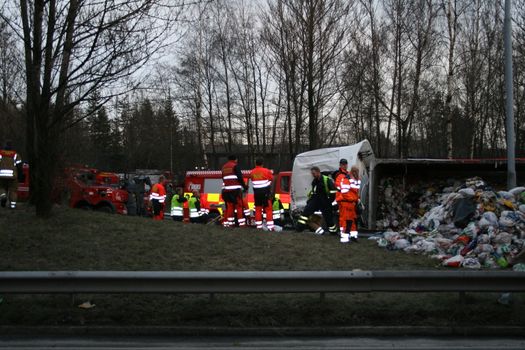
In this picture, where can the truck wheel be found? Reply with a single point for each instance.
(84, 207)
(105, 209)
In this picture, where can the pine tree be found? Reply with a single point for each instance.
(100, 131)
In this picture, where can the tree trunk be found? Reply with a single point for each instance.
(450, 10)
(312, 110)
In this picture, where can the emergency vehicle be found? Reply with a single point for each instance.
(23, 187)
(209, 184)
(88, 188)
(84, 188)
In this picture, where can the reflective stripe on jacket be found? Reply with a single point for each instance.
(194, 205)
(158, 192)
(343, 183)
(261, 177)
(277, 209)
(8, 161)
(177, 205)
(232, 177)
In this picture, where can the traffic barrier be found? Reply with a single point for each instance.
(104, 282)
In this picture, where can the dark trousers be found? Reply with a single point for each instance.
(318, 204)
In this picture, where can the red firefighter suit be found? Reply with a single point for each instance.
(233, 185)
(262, 186)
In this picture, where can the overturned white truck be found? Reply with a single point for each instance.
(327, 159)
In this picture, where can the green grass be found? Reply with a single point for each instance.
(78, 240)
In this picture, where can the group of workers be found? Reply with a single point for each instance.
(197, 211)
(266, 206)
(236, 212)
(341, 190)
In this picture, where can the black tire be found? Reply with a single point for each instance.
(84, 206)
(105, 209)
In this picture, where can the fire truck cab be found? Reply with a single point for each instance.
(88, 188)
(209, 184)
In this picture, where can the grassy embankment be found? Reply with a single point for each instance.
(78, 240)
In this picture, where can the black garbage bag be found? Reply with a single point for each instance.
(464, 210)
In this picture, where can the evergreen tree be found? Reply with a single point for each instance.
(100, 131)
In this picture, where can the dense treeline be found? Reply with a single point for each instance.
(418, 78)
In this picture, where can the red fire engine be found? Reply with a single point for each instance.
(209, 184)
(88, 188)
(85, 188)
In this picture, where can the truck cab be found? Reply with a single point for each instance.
(88, 188)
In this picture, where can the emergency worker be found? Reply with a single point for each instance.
(194, 206)
(232, 189)
(262, 187)
(157, 198)
(177, 205)
(320, 199)
(355, 187)
(277, 211)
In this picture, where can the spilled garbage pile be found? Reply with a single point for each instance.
(465, 224)
(399, 204)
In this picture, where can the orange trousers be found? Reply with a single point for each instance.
(347, 214)
(268, 210)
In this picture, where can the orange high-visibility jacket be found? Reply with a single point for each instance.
(232, 177)
(261, 177)
(345, 192)
(158, 192)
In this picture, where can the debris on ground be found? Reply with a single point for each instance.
(86, 305)
(400, 203)
(465, 224)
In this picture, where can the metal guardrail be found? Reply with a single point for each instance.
(44, 282)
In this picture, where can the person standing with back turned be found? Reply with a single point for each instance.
(233, 185)
(262, 188)
(158, 198)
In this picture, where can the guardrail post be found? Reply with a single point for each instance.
(462, 297)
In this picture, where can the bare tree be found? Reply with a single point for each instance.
(72, 49)
(453, 9)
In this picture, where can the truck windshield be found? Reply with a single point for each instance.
(285, 184)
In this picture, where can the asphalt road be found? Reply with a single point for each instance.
(263, 343)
